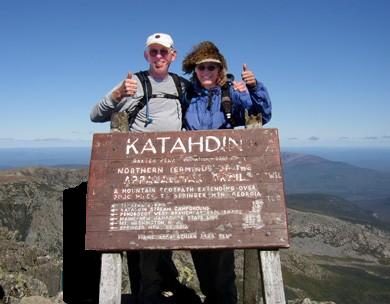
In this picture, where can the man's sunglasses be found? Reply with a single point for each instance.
(162, 52)
(210, 67)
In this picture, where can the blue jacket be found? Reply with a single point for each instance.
(205, 112)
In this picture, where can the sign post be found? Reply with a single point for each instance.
(186, 190)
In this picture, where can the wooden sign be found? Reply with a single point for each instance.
(182, 190)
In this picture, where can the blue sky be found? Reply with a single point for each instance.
(326, 64)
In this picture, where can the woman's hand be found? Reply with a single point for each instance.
(239, 86)
(248, 76)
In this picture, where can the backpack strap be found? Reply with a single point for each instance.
(227, 103)
(147, 88)
(146, 85)
(178, 84)
(185, 91)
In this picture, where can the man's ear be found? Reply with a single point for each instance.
(174, 55)
(146, 55)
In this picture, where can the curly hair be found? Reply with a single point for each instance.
(204, 50)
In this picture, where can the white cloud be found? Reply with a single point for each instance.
(43, 142)
(314, 138)
(49, 139)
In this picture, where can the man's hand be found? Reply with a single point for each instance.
(239, 86)
(248, 76)
(127, 88)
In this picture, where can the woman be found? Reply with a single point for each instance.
(207, 110)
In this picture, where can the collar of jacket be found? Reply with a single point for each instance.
(205, 92)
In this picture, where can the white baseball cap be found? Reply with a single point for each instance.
(160, 38)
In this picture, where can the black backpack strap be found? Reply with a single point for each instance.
(186, 92)
(184, 89)
(226, 100)
(227, 103)
(145, 82)
(147, 88)
(178, 84)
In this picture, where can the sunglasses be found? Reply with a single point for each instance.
(162, 52)
(209, 67)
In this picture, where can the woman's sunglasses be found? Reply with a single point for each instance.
(209, 67)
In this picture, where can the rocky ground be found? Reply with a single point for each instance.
(26, 271)
(31, 229)
(329, 259)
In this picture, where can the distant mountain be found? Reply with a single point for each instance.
(376, 158)
(312, 174)
(336, 207)
(380, 208)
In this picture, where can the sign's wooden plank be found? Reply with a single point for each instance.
(186, 190)
(132, 184)
(120, 240)
(139, 216)
(102, 209)
(187, 144)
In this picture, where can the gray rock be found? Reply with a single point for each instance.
(35, 300)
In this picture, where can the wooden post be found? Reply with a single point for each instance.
(271, 270)
(111, 279)
(251, 257)
(111, 273)
(251, 276)
(271, 277)
(119, 122)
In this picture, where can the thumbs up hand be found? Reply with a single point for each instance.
(127, 88)
(248, 76)
(129, 85)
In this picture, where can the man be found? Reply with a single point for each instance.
(159, 113)
(159, 110)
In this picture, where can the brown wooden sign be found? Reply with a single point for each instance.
(182, 190)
